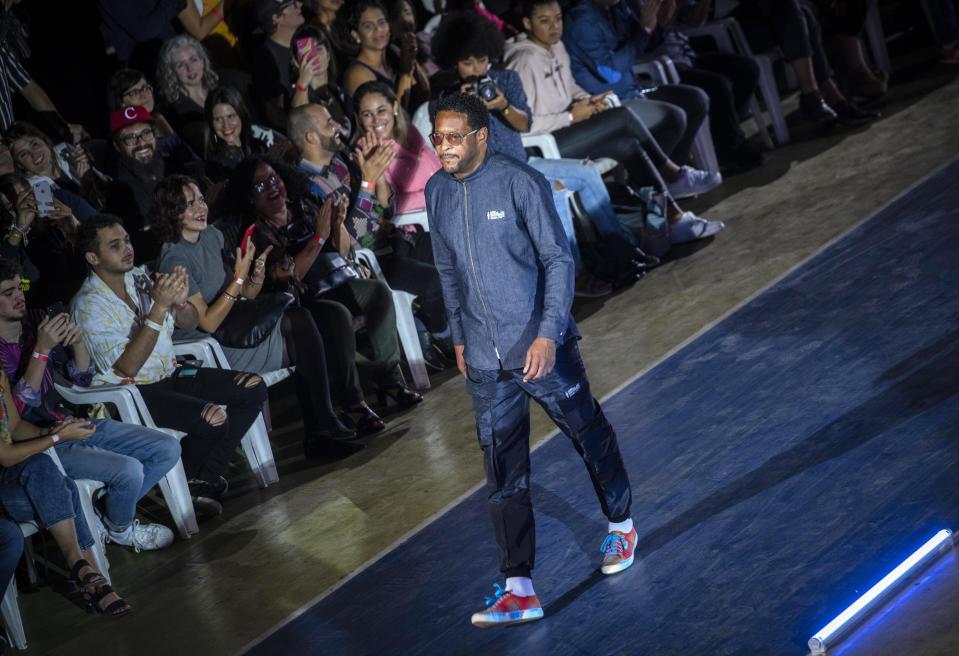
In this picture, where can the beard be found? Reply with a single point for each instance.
(149, 172)
(332, 144)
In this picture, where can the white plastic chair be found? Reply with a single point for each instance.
(405, 325)
(728, 36)
(133, 410)
(256, 443)
(10, 607)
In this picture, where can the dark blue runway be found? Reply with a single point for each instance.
(781, 464)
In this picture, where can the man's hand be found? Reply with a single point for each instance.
(74, 429)
(51, 331)
(166, 290)
(649, 13)
(323, 219)
(540, 359)
(460, 361)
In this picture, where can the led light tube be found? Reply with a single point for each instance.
(830, 634)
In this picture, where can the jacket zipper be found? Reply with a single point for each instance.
(479, 291)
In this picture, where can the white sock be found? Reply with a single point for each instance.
(622, 527)
(520, 585)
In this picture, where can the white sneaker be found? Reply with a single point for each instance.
(142, 537)
(692, 182)
(691, 227)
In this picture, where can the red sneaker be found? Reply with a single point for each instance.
(617, 551)
(507, 608)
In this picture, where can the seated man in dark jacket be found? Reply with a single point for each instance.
(141, 166)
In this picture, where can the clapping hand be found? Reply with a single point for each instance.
(373, 156)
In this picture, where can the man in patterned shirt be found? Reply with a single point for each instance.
(127, 322)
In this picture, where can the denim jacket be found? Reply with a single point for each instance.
(503, 260)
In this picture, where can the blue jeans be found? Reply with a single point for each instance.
(36, 491)
(128, 459)
(583, 177)
(11, 546)
(501, 404)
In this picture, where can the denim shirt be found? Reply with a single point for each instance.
(503, 259)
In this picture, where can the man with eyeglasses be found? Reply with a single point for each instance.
(507, 274)
(140, 167)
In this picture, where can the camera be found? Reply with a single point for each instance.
(483, 87)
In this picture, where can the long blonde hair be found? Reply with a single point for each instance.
(170, 87)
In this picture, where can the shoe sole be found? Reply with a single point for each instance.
(506, 619)
(619, 567)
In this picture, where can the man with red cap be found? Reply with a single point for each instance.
(140, 167)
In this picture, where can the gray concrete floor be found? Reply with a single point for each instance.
(274, 550)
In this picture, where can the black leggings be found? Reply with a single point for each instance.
(305, 349)
(618, 133)
(178, 402)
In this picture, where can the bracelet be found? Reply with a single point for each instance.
(55, 438)
(506, 110)
(319, 240)
(42, 357)
(299, 87)
(366, 185)
(153, 325)
(572, 119)
(230, 296)
(216, 12)
(238, 280)
(22, 231)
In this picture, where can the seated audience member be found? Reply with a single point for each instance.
(842, 23)
(369, 26)
(603, 39)
(128, 87)
(947, 28)
(585, 125)
(729, 79)
(323, 15)
(76, 182)
(272, 82)
(127, 324)
(794, 29)
(48, 243)
(140, 167)
(180, 218)
(312, 62)
(185, 76)
(404, 22)
(129, 459)
(404, 253)
(308, 257)
(229, 134)
(33, 489)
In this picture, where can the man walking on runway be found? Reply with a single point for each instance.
(507, 276)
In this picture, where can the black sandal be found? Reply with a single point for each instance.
(367, 422)
(101, 589)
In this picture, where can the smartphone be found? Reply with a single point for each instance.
(247, 239)
(43, 193)
(55, 309)
(188, 369)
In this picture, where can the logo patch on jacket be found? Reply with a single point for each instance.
(494, 215)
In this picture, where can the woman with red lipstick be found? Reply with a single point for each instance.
(369, 27)
(229, 135)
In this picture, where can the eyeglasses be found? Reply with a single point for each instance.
(138, 91)
(271, 182)
(455, 138)
(133, 139)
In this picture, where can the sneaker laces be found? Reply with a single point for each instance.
(498, 592)
(614, 545)
(133, 536)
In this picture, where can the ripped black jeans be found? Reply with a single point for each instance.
(180, 403)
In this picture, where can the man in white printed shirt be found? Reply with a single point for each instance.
(128, 323)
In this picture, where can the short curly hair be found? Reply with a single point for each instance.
(477, 116)
(465, 34)
(169, 204)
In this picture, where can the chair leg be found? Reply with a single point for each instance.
(704, 153)
(770, 98)
(406, 327)
(757, 113)
(259, 453)
(876, 39)
(176, 494)
(12, 619)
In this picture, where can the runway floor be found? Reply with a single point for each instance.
(781, 463)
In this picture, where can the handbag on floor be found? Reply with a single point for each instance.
(644, 215)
